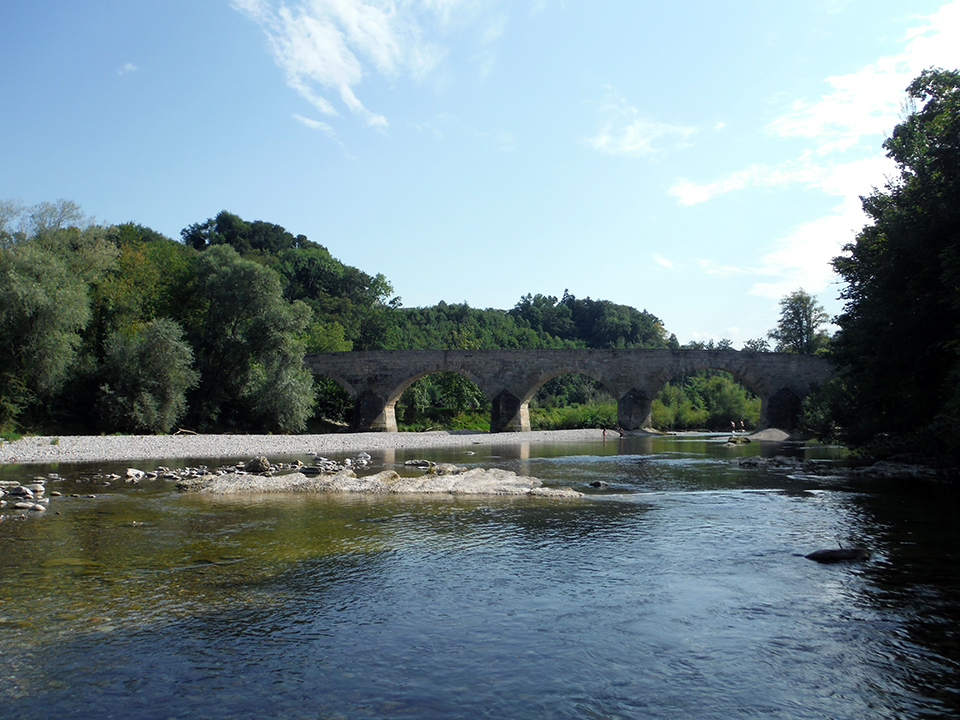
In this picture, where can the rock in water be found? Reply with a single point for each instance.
(257, 465)
(471, 482)
(835, 555)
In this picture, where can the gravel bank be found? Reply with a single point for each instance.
(98, 448)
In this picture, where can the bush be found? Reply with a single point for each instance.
(710, 399)
(589, 415)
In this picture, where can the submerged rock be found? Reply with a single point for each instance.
(477, 481)
(835, 555)
(419, 462)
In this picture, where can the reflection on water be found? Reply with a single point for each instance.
(677, 590)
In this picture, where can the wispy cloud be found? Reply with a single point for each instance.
(626, 131)
(713, 268)
(802, 258)
(486, 54)
(844, 129)
(325, 129)
(315, 125)
(538, 7)
(127, 69)
(867, 103)
(662, 261)
(327, 47)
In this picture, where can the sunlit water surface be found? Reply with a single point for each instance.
(679, 590)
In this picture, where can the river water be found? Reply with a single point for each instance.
(679, 590)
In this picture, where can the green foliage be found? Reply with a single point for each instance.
(245, 339)
(709, 399)
(591, 323)
(438, 399)
(825, 412)
(460, 327)
(570, 389)
(146, 376)
(325, 337)
(439, 418)
(589, 415)
(229, 229)
(897, 345)
(756, 345)
(43, 307)
(675, 409)
(334, 406)
(10, 210)
(336, 293)
(722, 344)
(798, 330)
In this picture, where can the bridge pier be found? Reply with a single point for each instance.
(508, 413)
(634, 410)
(371, 412)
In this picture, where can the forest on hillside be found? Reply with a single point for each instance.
(120, 329)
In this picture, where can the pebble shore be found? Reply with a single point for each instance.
(106, 448)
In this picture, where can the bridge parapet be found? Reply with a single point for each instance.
(510, 378)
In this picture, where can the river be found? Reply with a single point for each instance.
(678, 590)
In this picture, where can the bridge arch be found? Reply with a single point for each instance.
(568, 388)
(405, 384)
(539, 382)
(450, 391)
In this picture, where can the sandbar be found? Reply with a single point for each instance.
(106, 448)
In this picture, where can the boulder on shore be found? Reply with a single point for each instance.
(477, 481)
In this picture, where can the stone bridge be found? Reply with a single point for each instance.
(376, 379)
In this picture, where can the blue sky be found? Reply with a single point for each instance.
(696, 159)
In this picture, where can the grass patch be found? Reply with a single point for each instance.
(8, 433)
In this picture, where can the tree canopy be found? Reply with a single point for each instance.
(799, 327)
(899, 331)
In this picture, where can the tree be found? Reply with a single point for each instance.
(43, 307)
(898, 340)
(147, 374)
(246, 338)
(798, 330)
(10, 210)
(756, 345)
